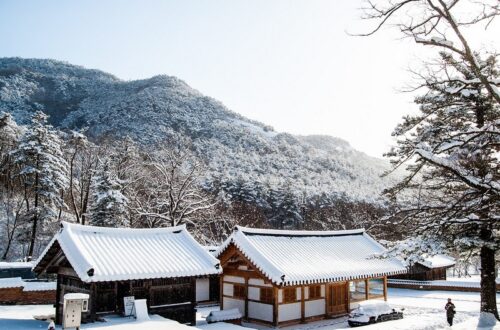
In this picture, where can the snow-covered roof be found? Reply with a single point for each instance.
(11, 282)
(15, 264)
(74, 296)
(100, 254)
(438, 261)
(224, 315)
(39, 286)
(302, 257)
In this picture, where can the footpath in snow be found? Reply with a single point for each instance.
(424, 310)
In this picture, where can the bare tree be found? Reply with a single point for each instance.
(438, 23)
(167, 190)
(83, 158)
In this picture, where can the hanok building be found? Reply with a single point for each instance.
(283, 277)
(430, 269)
(166, 266)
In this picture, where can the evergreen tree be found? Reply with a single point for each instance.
(109, 207)
(44, 170)
(454, 175)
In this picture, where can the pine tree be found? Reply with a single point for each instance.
(44, 171)
(109, 206)
(454, 175)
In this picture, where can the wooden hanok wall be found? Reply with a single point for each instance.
(244, 287)
(173, 298)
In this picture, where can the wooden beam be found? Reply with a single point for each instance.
(53, 261)
(67, 271)
(231, 251)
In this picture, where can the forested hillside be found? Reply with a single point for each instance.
(138, 141)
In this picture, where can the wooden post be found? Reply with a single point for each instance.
(302, 305)
(221, 291)
(246, 298)
(275, 306)
(58, 307)
(347, 297)
(93, 303)
(366, 289)
(193, 300)
(327, 299)
(385, 288)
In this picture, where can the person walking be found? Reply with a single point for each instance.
(450, 311)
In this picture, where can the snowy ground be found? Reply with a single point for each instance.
(423, 310)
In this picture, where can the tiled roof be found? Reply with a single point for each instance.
(11, 282)
(303, 257)
(112, 254)
(438, 261)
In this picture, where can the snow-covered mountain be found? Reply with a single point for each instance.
(237, 149)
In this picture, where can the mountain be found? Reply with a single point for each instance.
(240, 153)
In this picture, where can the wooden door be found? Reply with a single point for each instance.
(336, 299)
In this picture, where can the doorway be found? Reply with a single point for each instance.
(336, 303)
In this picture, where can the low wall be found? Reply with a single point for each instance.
(17, 296)
(436, 285)
(16, 291)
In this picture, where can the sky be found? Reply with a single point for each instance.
(289, 64)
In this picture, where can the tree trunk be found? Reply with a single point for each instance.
(35, 217)
(488, 283)
(33, 230)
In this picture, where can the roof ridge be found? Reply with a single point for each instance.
(305, 233)
(87, 228)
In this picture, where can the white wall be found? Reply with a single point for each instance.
(258, 281)
(288, 312)
(227, 289)
(260, 311)
(253, 293)
(315, 307)
(235, 279)
(230, 303)
(202, 289)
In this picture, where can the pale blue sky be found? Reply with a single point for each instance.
(289, 64)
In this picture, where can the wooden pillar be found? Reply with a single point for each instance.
(193, 300)
(246, 298)
(385, 288)
(327, 298)
(366, 289)
(221, 291)
(347, 297)
(93, 303)
(275, 306)
(302, 304)
(58, 300)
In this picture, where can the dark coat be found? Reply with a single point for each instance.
(450, 310)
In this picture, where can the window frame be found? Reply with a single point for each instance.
(239, 291)
(365, 293)
(316, 289)
(268, 296)
(289, 295)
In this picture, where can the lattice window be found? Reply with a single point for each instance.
(314, 291)
(289, 295)
(266, 295)
(239, 291)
